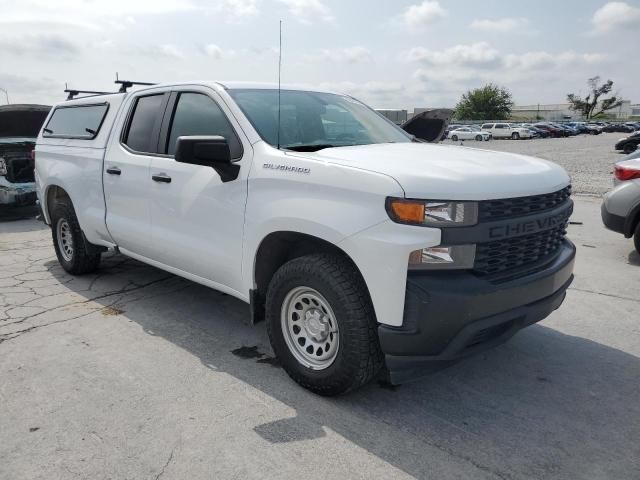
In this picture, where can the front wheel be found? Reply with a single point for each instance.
(629, 148)
(636, 238)
(515, 136)
(454, 138)
(76, 255)
(321, 324)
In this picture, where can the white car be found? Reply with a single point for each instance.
(506, 130)
(367, 252)
(467, 133)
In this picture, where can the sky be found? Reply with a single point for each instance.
(390, 54)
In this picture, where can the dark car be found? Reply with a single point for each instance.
(629, 144)
(553, 131)
(540, 132)
(19, 127)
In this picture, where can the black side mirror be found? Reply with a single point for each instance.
(208, 151)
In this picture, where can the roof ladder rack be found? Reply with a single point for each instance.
(124, 84)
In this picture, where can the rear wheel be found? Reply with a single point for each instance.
(321, 324)
(76, 255)
(454, 138)
(515, 136)
(478, 138)
(636, 238)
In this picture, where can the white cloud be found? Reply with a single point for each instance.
(500, 25)
(351, 55)
(418, 17)
(479, 55)
(306, 11)
(529, 61)
(241, 8)
(615, 15)
(213, 51)
(39, 45)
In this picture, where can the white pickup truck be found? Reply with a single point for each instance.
(367, 253)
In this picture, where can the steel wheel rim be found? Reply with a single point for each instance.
(310, 328)
(65, 239)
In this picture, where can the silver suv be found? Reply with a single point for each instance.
(621, 206)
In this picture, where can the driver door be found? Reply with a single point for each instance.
(197, 219)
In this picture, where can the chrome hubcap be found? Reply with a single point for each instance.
(310, 328)
(65, 239)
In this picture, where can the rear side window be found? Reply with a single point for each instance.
(487, 126)
(146, 112)
(76, 121)
(198, 114)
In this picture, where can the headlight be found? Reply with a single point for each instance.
(431, 213)
(3, 167)
(453, 257)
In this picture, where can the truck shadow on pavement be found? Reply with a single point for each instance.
(546, 404)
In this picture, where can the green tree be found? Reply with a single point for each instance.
(592, 105)
(490, 102)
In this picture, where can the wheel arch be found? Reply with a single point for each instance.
(275, 250)
(53, 195)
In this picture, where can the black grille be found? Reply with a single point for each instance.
(514, 253)
(491, 210)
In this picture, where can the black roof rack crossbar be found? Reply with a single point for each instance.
(124, 84)
(72, 93)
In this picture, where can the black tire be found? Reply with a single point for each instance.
(478, 138)
(84, 257)
(358, 359)
(515, 136)
(629, 148)
(454, 138)
(636, 238)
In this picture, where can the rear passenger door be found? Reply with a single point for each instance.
(127, 181)
(197, 220)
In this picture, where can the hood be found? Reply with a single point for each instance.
(22, 120)
(442, 172)
(428, 125)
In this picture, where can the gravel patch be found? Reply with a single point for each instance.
(589, 159)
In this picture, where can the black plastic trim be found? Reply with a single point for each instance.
(613, 222)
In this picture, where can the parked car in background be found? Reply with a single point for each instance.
(628, 144)
(506, 130)
(568, 131)
(621, 206)
(468, 133)
(553, 131)
(540, 132)
(19, 127)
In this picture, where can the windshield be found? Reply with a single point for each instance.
(312, 119)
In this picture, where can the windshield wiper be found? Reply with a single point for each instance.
(311, 147)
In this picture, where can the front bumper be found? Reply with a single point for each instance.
(17, 194)
(451, 315)
(612, 221)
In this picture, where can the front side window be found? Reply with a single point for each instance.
(77, 121)
(199, 114)
(143, 120)
(313, 120)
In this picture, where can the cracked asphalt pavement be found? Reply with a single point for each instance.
(132, 373)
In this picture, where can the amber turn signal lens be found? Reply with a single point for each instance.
(407, 211)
